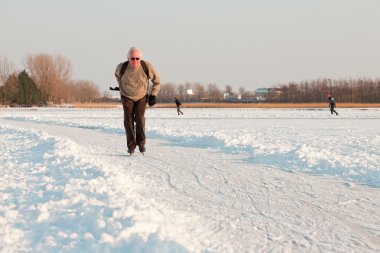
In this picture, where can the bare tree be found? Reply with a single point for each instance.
(50, 73)
(82, 91)
(6, 69)
(63, 69)
(343, 90)
(244, 93)
(181, 91)
(167, 92)
(214, 93)
(229, 89)
(199, 92)
(11, 88)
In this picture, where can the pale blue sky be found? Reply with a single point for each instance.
(245, 43)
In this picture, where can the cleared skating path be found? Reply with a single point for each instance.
(68, 189)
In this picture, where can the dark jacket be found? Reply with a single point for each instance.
(332, 102)
(177, 102)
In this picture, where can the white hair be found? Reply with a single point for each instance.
(133, 49)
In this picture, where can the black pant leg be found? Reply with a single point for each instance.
(140, 107)
(129, 122)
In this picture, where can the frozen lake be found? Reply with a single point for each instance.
(212, 180)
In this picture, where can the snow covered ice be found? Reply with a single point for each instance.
(212, 180)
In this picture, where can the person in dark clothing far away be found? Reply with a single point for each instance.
(133, 78)
(178, 104)
(332, 105)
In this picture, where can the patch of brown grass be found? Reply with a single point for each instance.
(269, 105)
(96, 105)
(235, 105)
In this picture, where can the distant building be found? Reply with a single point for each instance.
(230, 97)
(261, 93)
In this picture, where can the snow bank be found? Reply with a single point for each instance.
(56, 200)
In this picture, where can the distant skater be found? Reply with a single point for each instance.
(332, 105)
(178, 104)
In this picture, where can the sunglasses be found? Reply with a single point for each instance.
(135, 58)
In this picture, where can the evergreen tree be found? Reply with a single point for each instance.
(29, 94)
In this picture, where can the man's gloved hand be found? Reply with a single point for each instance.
(151, 100)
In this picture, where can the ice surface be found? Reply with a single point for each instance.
(212, 180)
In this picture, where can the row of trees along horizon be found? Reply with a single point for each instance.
(47, 79)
